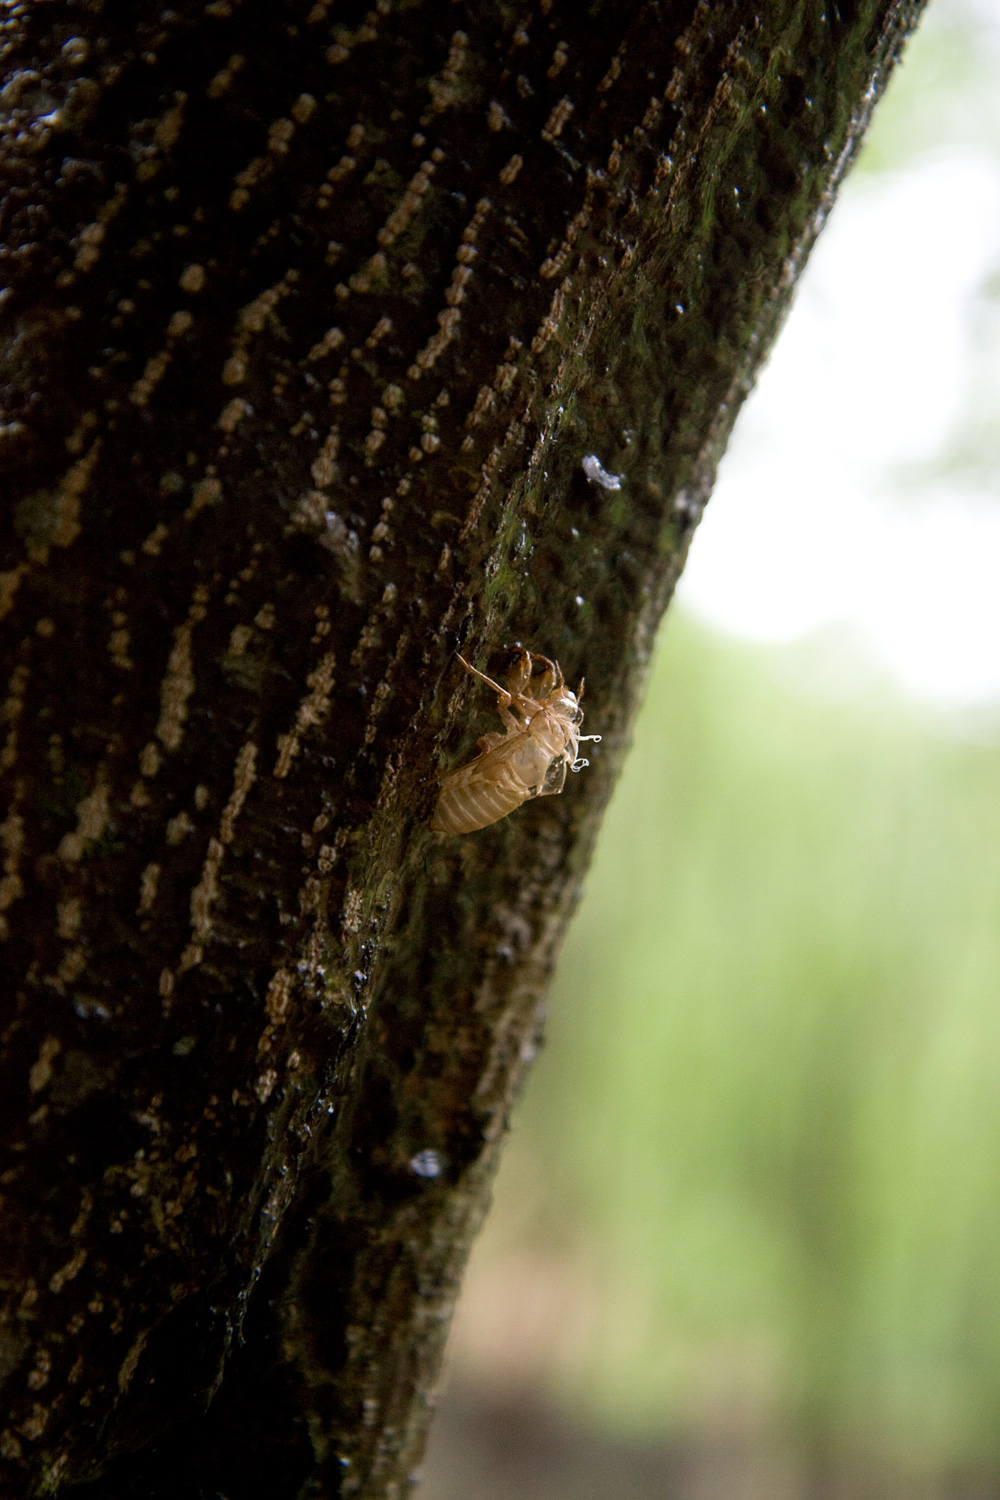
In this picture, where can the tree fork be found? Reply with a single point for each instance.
(312, 314)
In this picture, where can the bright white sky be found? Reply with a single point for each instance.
(834, 507)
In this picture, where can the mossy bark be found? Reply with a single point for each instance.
(313, 314)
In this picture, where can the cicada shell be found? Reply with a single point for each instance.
(541, 720)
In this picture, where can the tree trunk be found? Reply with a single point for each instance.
(335, 340)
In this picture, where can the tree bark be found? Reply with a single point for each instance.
(312, 315)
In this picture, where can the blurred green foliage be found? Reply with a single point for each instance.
(944, 100)
(763, 1141)
(944, 94)
(766, 1126)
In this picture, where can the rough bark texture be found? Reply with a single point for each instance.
(312, 314)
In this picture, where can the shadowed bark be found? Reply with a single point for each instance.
(312, 315)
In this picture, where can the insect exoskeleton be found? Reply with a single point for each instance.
(541, 718)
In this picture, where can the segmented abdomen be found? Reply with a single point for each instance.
(464, 808)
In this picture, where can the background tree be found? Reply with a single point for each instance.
(312, 316)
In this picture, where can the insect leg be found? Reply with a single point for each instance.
(552, 678)
(550, 683)
(519, 676)
(501, 692)
(503, 697)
